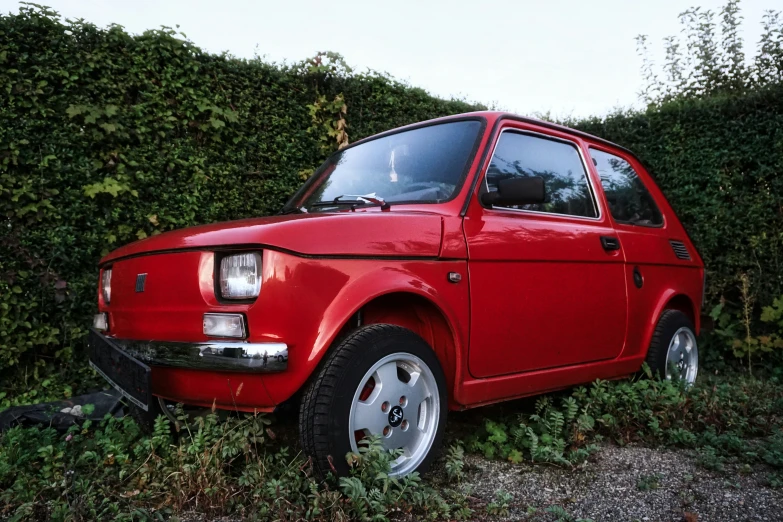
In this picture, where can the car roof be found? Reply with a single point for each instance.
(492, 117)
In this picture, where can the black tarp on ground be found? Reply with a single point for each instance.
(61, 415)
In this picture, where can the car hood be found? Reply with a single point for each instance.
(364, 234)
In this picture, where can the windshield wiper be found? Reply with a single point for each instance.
(293, 210)
(360, 200)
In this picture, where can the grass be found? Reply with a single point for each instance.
(246, 467)
(737, 418)
(113, 471)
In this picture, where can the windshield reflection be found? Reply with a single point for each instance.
(424, 165)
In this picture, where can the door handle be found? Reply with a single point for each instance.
(610, 243)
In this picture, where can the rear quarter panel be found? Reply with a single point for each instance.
(648, 248)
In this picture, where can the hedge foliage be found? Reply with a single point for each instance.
(719, 161)
(106, 138)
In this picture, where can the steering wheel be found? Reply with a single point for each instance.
(424, 185)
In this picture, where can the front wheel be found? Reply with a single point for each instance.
(673, 350)
(381, 380)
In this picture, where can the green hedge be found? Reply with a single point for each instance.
(720, 163)
(107, 137)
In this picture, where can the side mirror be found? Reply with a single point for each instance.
(516, 191)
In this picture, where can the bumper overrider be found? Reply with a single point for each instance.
(126, 363)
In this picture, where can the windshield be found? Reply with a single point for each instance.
(424, 165)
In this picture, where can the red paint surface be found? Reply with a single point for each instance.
(541, 304)
(322, 234)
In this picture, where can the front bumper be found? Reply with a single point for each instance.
(231, 356)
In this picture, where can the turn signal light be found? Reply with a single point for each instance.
(224, 325)
(100, 322)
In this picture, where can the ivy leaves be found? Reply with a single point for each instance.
(106, 138)
(108, 186)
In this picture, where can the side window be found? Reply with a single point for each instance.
(629, 200)
(558, 162)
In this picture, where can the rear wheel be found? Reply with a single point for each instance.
(673, 350)
(381, 380)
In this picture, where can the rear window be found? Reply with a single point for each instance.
(629, 200)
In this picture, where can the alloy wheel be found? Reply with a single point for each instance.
(397, 399)
(682, 357)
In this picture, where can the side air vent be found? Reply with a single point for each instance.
(680, 250)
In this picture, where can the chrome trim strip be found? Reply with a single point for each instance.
(213, 355)
(593, 193)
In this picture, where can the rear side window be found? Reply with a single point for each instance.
(559, 163)
(629, 200)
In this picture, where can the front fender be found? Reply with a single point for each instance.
(305, 302)
(372, 285)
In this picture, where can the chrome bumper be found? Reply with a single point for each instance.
(232, 356)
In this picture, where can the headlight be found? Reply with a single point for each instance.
(106, 285)
(240, 276)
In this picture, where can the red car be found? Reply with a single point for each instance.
(444, 265)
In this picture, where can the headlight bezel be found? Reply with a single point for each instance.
(220, 288)
(105, 284)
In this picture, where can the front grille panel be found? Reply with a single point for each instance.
(171, 288)
(680, 250)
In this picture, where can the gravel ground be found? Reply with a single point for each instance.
(608, 488)
(612, 488)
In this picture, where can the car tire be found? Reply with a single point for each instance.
(673, 349)
(336, 404)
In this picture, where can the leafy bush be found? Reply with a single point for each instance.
(736, 328)
(112, 471)
(740, 418)
(106, 138)
(711, 137)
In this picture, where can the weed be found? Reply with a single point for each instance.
(737, 418)
(561, 515)
(649, 482)
(735, 324)
(500, 506)
(455, 462)
(112, 471)
(551, 434)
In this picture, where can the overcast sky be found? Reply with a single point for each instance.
(566, 57)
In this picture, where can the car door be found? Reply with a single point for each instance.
(547, 287)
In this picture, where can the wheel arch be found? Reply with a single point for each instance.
(415, 307)
(671, 299)
(423, 317)
(684, 304)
